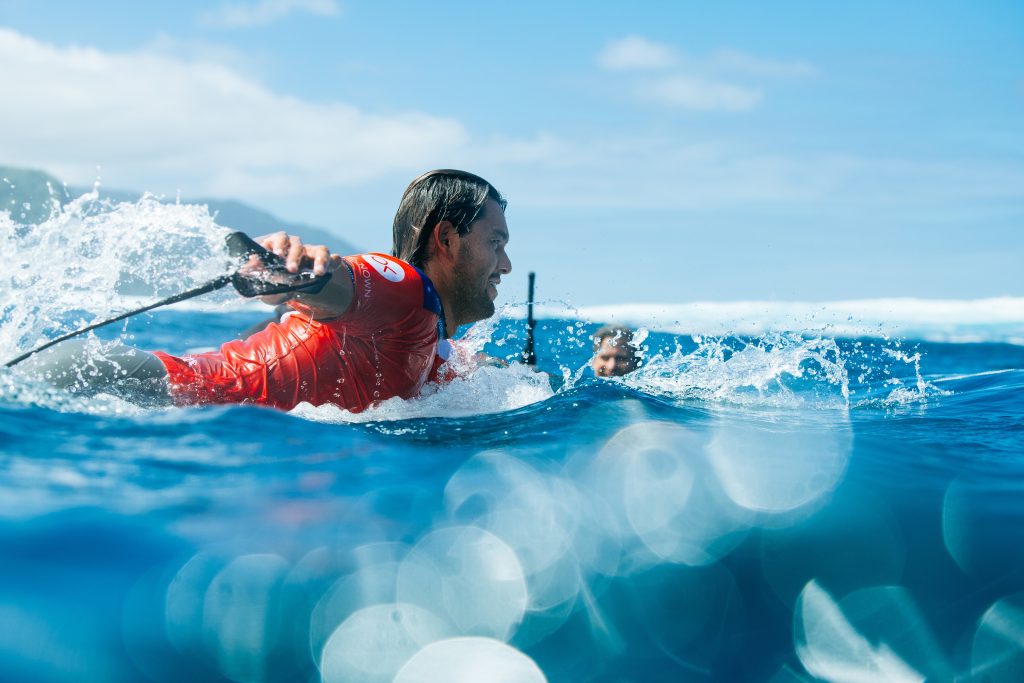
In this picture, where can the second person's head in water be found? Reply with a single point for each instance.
(451, 225)
(614, 352)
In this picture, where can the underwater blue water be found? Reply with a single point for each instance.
(782, 492)
(783, 508)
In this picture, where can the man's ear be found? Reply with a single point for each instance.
(444, 238)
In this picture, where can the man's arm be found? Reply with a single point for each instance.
(331, 301)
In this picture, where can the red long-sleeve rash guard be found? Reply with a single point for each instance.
(388, 343)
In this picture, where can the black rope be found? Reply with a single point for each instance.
(239, 245)
(211, 286)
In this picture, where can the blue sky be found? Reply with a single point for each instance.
(660, 152)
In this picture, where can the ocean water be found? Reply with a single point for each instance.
(783, 492)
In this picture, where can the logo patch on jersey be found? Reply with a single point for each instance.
(389, 269)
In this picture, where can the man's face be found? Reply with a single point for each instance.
(480, 261)
(613, 358)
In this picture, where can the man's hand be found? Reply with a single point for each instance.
(298, 255)
(335, 296)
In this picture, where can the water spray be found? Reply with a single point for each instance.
(239, 246)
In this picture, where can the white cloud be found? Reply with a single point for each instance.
(740, 63)
(635, 53)
(716, 82)
(157, 122)
(690, 92)
(264, 12)
(167, 123)
(667, 172)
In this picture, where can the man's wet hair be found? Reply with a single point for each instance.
(442, 195)
(623, 336)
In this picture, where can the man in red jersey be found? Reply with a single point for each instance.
(378, 329)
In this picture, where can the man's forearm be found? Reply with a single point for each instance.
(331, 301)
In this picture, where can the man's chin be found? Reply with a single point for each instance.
(484, 310)
(476, 309)
(489, 310)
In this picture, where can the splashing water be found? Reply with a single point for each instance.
(902, 395)
(765, 371)
(93, 258)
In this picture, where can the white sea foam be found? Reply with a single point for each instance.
(487, 390)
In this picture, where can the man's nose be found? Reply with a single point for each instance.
(504, 263)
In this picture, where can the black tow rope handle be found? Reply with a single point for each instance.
(242, 246)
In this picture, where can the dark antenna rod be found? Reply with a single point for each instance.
(529, 357)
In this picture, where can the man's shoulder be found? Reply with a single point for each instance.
(389, 268)
(381, 279)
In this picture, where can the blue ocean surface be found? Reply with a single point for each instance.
(795, 505)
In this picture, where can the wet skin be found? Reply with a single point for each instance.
(478, 262)
(612, 360)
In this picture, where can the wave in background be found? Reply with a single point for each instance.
(998, 319)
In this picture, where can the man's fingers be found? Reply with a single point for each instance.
(298, 255)
(321, 257)
(296, 252)
(276, 242)
(252, 264)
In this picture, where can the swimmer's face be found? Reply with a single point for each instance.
(479, 264)
(613, 358)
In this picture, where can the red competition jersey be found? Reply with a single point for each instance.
(388, 343)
